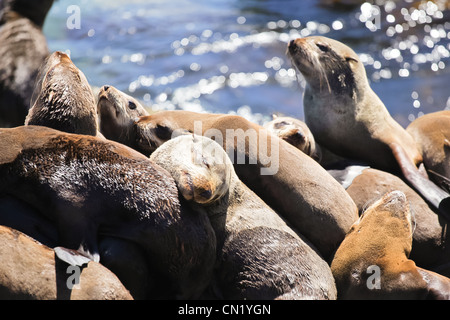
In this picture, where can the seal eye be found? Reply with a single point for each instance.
(131, 105)
(350, 59)
(323, 47)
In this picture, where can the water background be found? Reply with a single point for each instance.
(229, 56)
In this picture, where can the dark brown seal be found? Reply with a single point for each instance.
(30, 270)
(23, 49)
(259, 255)
(116, 113)
(284, 177)
(348, 118)
(63, 99)
(372, 262)
(90, 187)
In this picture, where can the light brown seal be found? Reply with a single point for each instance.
(348, 118)
(430, 248)
(116, 113)
(432, 134)
(63, 99)
(23, 49)
(372, 262)
(30, 270)
(90, 187)
(260, 256)
(284, 177)
(295, 132)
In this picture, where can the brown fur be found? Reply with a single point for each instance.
(23, 49)
(430, 238)
(30, 270)
(260, 256)
(348, 118)
(296, 190)
(63, 99)
(432, 134)
(117, 112)
(90, 187)
(382, 237)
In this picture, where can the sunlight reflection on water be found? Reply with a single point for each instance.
(229, 56)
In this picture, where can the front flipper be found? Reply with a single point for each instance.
(72, 257)
(436, 196)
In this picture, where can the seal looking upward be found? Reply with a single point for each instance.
(23, 49)
(116, 113)
(348, 118)
(63, 99)
(89, 187)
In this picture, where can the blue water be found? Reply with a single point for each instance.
(229, 56)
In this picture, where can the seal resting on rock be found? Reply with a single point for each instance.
(348, 118)
(90, 187)
(23, 49)
(292, 183)
(430, 248)
(372, 262)
(432, 134)
(259, 255)
(30, 270)
(295, 132)
(63, 99)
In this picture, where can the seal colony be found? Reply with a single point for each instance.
(179, 204)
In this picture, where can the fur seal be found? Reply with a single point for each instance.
(116, 114)
(430, 248)
(23, 50)
(297, 197)
(90, 187)
(348, 118)
(125, 259)
(63, 99)
(30, 270)
(372, 262)
(260, 256)
(432, 134)
(295, 132)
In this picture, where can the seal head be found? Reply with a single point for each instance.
(63, 99)
(116, 112)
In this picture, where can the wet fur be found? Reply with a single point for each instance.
(259, 255)
(296, 197)
(23, 49)
(63, 99)
(87, 186)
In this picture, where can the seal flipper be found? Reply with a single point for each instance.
(72, 257)
(436, 196)
(75, 230)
